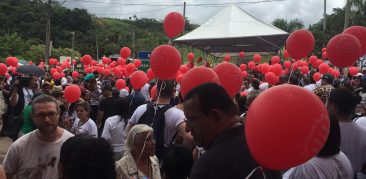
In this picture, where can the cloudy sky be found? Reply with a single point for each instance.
(199, 11)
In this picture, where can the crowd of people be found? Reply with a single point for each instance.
(142, 133)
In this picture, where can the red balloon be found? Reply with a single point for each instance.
(270, 78)
(323, 68)
(304, 70)
(53, 70)
(120, 84)
(287, 64)
(106, 72)
(316, 76)
(324, 49)
(336, 73)
(251, 65)
(121, 61)
(276, 69)
(300, 43)
(318, 63)
(56, 75)
(244, 73)
(130, 68)
(94, 62)
(138, 79)
(179, 78)
(313, 59)
(75, 74)
(197, 76)
(360, 33)
(150, 74)
(173, 24)
(72, 93)
(243, 67)
(257, 58)
(137, 62)
(265, 68)
(165, 62)
(87, 59)
(324, 55)
(183, 69)
(275, 60)
(12, 61)
(244, 93)
(125, 52)
(285, 54)
(230, 77)
(73, 61)
(353, 71)
(52, 61)
(153, 92)
(106, 60)
(343, 50)
(290, 119)
(227, 58)
(190, 56)
(3, 69)
(241, 55)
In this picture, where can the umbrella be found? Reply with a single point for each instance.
(30, 69)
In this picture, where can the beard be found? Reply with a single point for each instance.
(47, 129)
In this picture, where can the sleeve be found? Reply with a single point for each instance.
(137, 114)
(93, 131)
(11, 160)
(106, 134)
(179, 117)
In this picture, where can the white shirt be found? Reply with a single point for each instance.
(145, 91)
(335, 167)
(28, 93)
(115, 131)
(173, 117)
(88, 128)
(310, 87)
(361, 121)
(353, 143)
(29, 157)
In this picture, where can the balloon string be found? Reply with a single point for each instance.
(292, 69)
(162, 86)
(251, 173)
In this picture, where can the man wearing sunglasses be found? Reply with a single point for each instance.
(213, 121)
(36, 154)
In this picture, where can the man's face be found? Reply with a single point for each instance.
(46, 89)
(33, 82)
(45, 117)
(198, 123)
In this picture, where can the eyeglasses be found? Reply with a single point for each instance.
(190, 120)
(50, 115)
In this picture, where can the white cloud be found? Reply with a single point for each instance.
(308, 11)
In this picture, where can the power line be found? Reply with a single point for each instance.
(137, 12)
(201, 4)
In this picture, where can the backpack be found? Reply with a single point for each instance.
(157, 122)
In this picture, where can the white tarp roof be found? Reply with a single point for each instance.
(234, 30)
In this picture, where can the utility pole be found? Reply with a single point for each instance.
(325, 16)
(48, 32)
(133, 37)
(73, 40)
(96, 44)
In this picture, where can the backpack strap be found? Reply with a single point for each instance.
(159, 130)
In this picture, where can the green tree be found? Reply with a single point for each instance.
(288, 26)
(12, 45)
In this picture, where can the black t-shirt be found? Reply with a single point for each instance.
(228, 157)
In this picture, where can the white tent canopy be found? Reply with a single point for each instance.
(234, 30)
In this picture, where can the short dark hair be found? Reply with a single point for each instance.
(121, 107)
(177, 162)
(87, 157)
(84, 105)
(345, 100)
(333, 142)
(255, 84)
(165, 88)
(44, 98)
(212, 96)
